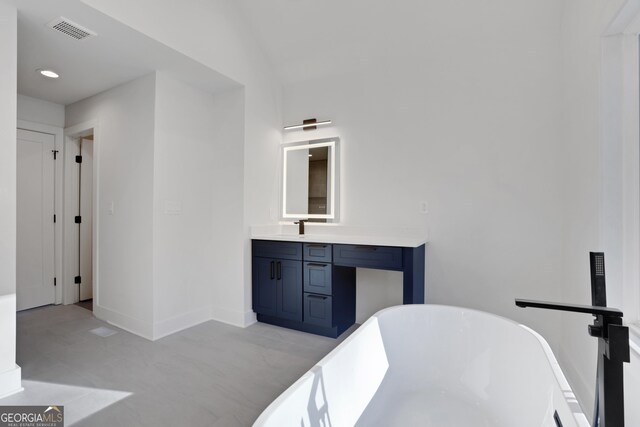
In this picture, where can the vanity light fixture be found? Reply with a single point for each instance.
(48, 73)
(308, 124)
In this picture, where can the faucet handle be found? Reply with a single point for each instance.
(618, 344)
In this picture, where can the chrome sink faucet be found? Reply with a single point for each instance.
(301, 226)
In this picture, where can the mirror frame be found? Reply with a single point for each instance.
(331, 143)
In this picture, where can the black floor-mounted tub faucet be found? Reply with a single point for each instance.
(613, 345)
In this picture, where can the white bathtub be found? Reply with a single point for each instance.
(431, 365)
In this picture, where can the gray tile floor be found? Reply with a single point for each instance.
(209, 375)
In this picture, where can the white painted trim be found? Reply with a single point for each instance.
(626, 20)
(241, 319)
(620, 154)
(634, 338)
(11, 382)
(249, 318)
(10, 376)
(71, 133)
(181, 322)
(332, 146)
(58, 134)
(161, 329)
(122, 321)
(631, 179)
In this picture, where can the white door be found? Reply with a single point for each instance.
(86, 226)
(35, 226)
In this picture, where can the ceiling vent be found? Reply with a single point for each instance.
(71, 29)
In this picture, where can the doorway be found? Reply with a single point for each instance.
(80, 236)
(35, 223)
(84, 162)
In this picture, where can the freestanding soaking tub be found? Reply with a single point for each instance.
(431, 365)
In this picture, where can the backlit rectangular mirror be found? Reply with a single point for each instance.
(309, 180)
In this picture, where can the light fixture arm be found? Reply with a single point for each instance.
(308, 124)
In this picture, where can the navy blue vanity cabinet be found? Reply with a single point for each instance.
(329, 292)
(288, 290)
(311, 287)
(296, 285)
(264, 286)
(277, 280)
(329, 298)
(318, 310)
(367, 256)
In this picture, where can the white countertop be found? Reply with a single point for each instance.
(401, 238)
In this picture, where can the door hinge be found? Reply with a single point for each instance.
(78, 159)
(77, 280)
(55, 282)
(55, 154)
(78, 219)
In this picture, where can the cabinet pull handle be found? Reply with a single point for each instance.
(316, 246)
(271, 270)
(315, 264)
(317, 297)
(367, 248)
(279, 270)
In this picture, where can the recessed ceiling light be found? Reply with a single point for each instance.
(48, 73)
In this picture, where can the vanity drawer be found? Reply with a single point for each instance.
(318, 310)
(365, 256)
(281, 250)
(317, 252)
(317, 278)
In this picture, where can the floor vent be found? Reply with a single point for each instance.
(103, 332)
(71, 29)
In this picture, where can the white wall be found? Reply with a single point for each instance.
(125, 139)
(40, 111)
(190, 159)
(8, 50)
(471, 125)
(9, 372)
(228, 169)
(233, 51)
(593, 205)
(171, 159)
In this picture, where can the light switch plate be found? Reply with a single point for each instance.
(172, 207)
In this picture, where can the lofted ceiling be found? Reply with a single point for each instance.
(117, 55)
(306, 39)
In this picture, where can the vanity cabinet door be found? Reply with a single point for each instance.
(318, 310)
(289, 277)
(317, 278)
(265, 286)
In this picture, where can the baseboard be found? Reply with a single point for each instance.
(178, 323)
(11, 382)
(175, 324)
(122, 321)
(241, 319)
(250, 318)
(582, 390)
